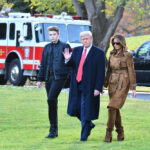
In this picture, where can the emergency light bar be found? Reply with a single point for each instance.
(39, 15)
(62, 16)
(79, 18)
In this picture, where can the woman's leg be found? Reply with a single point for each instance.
(110, 124)
(119, 127)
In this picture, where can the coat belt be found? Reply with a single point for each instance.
(120, 71)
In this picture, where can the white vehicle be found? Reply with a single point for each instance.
(22, 38)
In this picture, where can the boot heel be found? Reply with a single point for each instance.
(120, 139)
(120, 136)
(108, 137)
(108, 140)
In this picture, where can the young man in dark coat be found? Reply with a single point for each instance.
(54, 72)
(87, 78)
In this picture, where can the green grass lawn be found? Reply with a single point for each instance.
(24, 123)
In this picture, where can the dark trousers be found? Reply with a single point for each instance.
(86, 125)
(53, 89)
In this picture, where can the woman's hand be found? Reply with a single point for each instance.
(38, 84)
(133, 93)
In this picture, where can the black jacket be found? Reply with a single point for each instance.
(59, 68)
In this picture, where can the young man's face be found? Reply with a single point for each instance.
(54, 36)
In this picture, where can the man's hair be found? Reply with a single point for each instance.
(53, 28)
(86, 33)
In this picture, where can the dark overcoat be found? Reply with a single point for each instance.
(93, 78)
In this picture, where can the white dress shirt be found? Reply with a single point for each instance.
(87, 50)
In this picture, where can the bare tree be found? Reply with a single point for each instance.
(77, 7)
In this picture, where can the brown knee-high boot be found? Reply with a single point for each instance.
(110, 124)
(119, 127)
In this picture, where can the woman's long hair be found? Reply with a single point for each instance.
(121, 39)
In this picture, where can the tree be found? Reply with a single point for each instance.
(104, 15)
(52, 6)
(20, 6)
(15, 6)
(5, 7)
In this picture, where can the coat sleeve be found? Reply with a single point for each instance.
(68, 46)
(108, 73)
(41, 75)
(131, 72)
(100, 74)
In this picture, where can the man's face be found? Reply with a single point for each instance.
(54, 36)
(86, 40)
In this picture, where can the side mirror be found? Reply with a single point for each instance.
(17, 39)
(133, 52)
(38, 28)
(21, 39)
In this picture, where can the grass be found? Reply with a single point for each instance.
(134, 42)
(24, 123)
(143, 89)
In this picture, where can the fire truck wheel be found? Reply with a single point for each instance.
(2, 80)
(16, 74)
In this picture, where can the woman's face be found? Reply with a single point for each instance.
(116, 44)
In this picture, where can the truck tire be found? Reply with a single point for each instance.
(3, 81)
(15, 74)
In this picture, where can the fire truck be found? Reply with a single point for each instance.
(22, 38)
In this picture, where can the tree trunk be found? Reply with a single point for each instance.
(102, 27)
(78, 8)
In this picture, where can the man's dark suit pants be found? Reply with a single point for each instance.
(53, 89)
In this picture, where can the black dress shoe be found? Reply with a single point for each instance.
(91, 127)
(78, 141)
(52, 135)
(82, 140)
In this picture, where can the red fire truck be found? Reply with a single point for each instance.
(22, 38)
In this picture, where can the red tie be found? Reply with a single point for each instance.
(80, 69)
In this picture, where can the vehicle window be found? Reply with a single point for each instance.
(148, 54)
(29, 31)
(39, 33)
(62, 28)
(74, 32)
(143, 51)
(3, 29)
(12, 31)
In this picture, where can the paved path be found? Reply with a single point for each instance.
(143, 96)
(139, 95)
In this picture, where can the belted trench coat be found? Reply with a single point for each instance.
(120, 78)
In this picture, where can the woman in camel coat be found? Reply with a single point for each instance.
(120, 78)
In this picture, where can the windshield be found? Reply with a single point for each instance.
(74, 32)
(42, 32)
(70, 33)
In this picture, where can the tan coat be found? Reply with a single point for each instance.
(120, 77)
